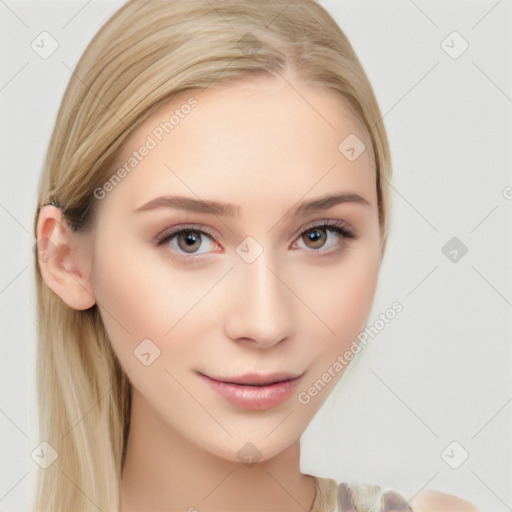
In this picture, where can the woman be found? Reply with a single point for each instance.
(212, 216)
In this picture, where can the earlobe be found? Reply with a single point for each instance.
(63, 260)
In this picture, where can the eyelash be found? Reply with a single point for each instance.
(337, 226)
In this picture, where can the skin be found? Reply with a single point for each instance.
(264, 146)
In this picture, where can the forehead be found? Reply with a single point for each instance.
(262, 140)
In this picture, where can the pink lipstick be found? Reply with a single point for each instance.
(255, 391)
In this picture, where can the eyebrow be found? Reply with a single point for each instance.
(231, 210)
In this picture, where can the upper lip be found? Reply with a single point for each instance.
(257, 379)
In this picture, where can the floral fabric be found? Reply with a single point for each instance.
(369, 498)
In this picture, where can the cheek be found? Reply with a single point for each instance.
(126, 295)
(343, 306)
(355, 293)
(140, 296)
(341, 295)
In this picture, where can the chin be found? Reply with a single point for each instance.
(249, 450)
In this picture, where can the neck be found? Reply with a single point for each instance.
(165, 471)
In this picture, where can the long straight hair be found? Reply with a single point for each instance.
(147, 53)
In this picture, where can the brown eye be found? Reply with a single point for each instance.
(316, 237)
(189, 241)
(325, 238)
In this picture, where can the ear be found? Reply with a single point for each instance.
(64, 259)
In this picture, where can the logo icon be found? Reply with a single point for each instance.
(454, 45)
(454, 249)
(249, 44)
(249, 454)
(249, 249)
(44, 455)
(352, 147)
(44, 45)
(146, 352)
(455, 455)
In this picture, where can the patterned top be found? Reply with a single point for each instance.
(333, 497)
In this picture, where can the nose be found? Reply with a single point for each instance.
(260, 306)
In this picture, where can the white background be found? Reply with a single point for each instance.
(440, 371)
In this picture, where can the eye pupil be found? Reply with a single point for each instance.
(190, 238)
(315, 237)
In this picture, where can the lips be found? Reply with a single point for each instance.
(254, 391)
(255, 379)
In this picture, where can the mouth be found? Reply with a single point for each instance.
(256, 379)
(255, 391)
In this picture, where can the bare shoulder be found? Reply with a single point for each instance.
(436, 501)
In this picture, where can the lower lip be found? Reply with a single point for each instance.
(254, 397)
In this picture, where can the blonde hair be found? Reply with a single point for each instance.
(147, 53)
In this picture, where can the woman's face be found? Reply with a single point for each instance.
(246, 289)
